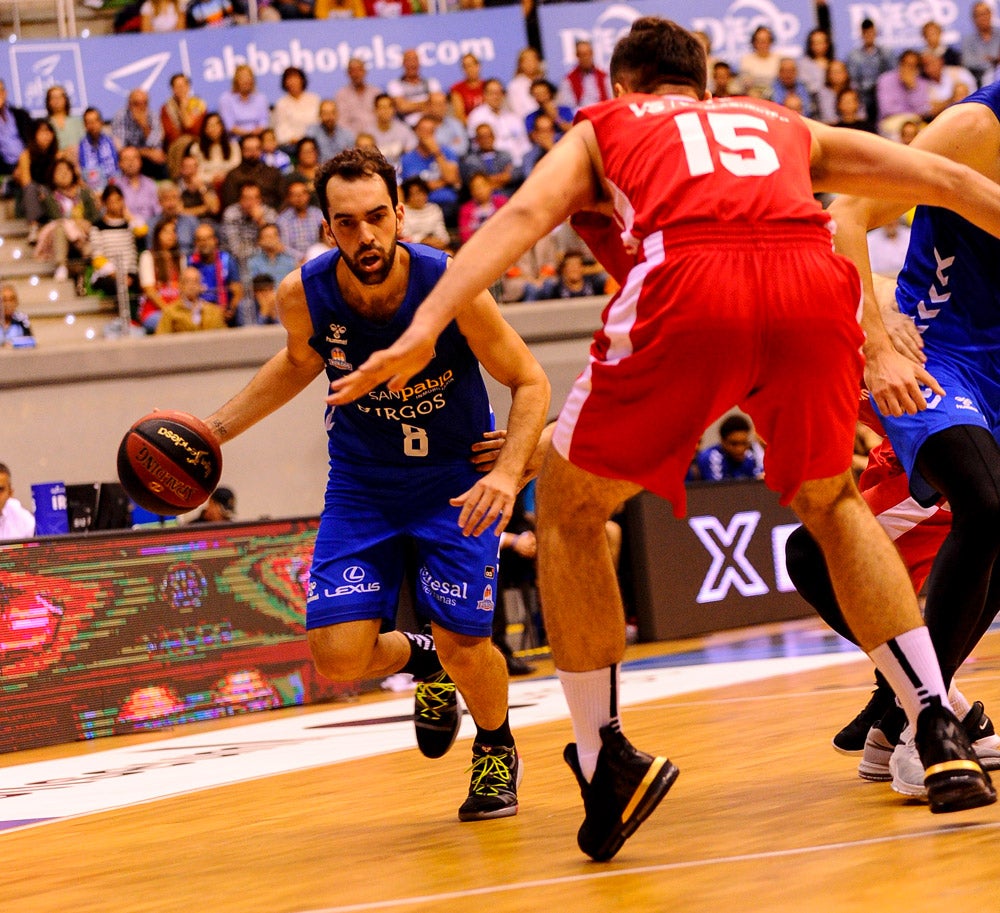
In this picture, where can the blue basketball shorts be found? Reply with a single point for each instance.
(368, 524)
(971, 382)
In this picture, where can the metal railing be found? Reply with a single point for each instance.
(64, 14)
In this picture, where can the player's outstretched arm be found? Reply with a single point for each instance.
(283, 376)
(505, 356)
(563, 182)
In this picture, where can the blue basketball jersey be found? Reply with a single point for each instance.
(441, 412)
(950, 282)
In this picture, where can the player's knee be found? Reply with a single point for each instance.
(818, 501)
(460, 654)
(337, 661)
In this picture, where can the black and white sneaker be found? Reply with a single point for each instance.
(627, 786)
(851, 739)
(437, 714)
(954, 778)
(496, 774)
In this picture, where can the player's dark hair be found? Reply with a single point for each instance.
(354, 165)
(732, 425)
(658, 52)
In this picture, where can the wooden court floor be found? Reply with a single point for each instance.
(764, 817)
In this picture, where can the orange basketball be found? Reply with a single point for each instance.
(169, 462)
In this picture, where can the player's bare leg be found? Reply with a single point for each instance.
(479, 671)
(355, 650)
(880, 607)
(585, 622)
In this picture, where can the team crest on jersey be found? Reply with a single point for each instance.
(338, 359)
(489, 572)
(486, 603)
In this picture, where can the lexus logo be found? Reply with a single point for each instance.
(354, 574)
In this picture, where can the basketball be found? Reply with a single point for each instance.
(169, 462)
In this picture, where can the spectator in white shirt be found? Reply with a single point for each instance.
(16, 522)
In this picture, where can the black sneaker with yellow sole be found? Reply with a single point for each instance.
(954, 779)
(437, 714)
(627, 786)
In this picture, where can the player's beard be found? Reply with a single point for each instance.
(371, 277)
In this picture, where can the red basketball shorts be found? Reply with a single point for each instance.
(761, 317)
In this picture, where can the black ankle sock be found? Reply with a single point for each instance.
(501, 736)
(423, 661)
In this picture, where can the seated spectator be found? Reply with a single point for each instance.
(585, 84)
(159, 274)
(537, 264)
(947, 84)
(815, 60)
(339, 9)
(16, 521)
(241, 225)
(141, 196)
(296, 111)
(933, 35)
(391, 135)
(71, 209)
(265, 299)
(113, 252)
(787, 84)
(866, 63)
(198, 199)
(543, 138)
(96, 154)
(484, 158)
(16, 130)
(68, 127)
(529, 68)
(902, 94)
(850, 113)
(544, 94)
(724, 83)
(243, 109)
(181, 119)
(423, 221)
(436, 165)
(33, 174)
(135, 125)
(272, 154)
(981, 48)
(837, 80)
(209, 14)
(328, 135)
(571, 281)
(450, 130)
(220, 277)
(252, 168)
(733, 457)
(300, 221)
(172, 209)
(161, 16)
(15, 328)
(511, 136)
(215, 153)
(191, 311)
(759, 68)
(293, 9)
(356, 100)
(410, 92)
(475, 211)
(468, 92)
(307, 162)
(271, 259)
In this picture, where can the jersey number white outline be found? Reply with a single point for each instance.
(415, 443)
(762, 161)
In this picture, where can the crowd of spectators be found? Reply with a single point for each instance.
(131, 198)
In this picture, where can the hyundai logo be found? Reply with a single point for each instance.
(354, 574)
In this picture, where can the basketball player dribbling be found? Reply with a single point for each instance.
(735, 296)
(400, 471)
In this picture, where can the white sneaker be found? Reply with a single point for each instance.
(874, 763)
(906, 769)
(61, 274)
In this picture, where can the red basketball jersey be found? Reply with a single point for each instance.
(673, 161)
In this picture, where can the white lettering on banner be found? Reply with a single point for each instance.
(378, 54)
(125, 79)
(779, 536)
(730, 34)
(37, 67)
(719, 540)
(899, 24)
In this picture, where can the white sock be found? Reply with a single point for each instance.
(959, 702)
(910, 665)
(593, 703)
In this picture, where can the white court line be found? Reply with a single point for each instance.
(631, 872)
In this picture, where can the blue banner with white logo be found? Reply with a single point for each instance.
(898, 25)
(101, 71)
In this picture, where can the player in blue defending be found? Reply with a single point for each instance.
(949, 289)
(400, 471)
